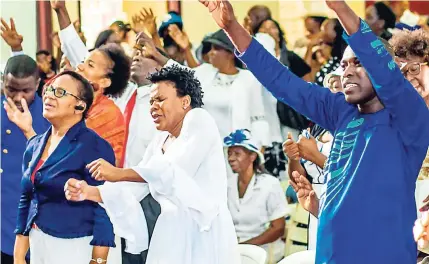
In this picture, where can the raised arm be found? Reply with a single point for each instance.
(408, 110)
(71, 44)
(316, 103)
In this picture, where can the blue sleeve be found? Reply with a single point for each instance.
(25, 200)
(315, 102)
(408, 110)
(103, 229)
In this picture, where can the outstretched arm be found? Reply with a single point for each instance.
(71, 44)
(315, 102)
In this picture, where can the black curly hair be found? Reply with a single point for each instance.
(120, 74)
(184, 82)
(411, 43)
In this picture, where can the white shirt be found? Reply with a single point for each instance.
(141, 128)
(189, 182)
(263, 202)
(72, 46)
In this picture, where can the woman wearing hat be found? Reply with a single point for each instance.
(255, 199)
(232, 95)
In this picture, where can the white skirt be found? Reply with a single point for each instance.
(46, 249)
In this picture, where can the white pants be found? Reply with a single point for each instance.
(46, 249)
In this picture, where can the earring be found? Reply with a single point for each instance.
(184, 108)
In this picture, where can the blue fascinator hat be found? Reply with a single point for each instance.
(243, 138)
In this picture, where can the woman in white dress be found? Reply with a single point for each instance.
(256, 199)
(184, 170)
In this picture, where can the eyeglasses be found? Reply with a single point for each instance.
(59, 92)
(414, 68)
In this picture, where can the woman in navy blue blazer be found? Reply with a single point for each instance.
(56, 230)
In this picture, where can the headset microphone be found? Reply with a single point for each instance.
(79, 107)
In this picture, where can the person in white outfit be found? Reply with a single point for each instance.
(184, 170)
(255, 198)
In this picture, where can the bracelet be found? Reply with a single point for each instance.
(99, 260)
(325, 164)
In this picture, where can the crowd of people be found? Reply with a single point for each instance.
(169, 152)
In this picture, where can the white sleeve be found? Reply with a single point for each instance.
(16, 53)
(72, 46)
(121, 200)
(267, 42)
(276, 201)
(260, 127)
(171, 175)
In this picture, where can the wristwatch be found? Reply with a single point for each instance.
(99, 260)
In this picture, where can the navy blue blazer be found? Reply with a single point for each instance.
(44, 202)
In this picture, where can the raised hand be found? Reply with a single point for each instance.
(58, 4)
(11, 36)
(335, 4)
(304, 191)
(222, 12)
(290, 148)
(102, 170)
(149, 20)
(20, 115)
(179, 36)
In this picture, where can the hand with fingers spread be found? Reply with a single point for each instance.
(102, 170)
(138, 25)
(222, 12)
(180, 37)
(149, 20)
(290, 148)
(11, 36)
(20, 115)
(305, 193)
(421, 230)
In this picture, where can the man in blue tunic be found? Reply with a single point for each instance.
(367, 212)
(19, 84)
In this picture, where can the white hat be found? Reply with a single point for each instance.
(243, 138)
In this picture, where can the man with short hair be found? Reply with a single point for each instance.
(19, 85)
(374, 141)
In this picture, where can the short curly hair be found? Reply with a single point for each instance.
(120, 74)
(184, 82)
(411, 43)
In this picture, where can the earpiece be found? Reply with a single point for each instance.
(79, 107)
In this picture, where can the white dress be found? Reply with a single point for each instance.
(189, 182)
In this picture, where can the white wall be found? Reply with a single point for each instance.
(24, 14)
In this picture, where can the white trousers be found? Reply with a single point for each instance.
(46, 249)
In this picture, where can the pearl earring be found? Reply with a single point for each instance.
(184, 108)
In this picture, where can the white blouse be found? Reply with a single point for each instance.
(263, 202)
(189, 182)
